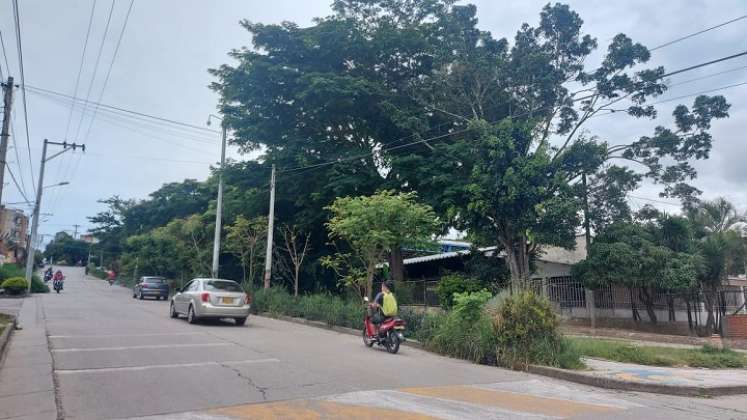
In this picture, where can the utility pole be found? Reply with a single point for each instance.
(589, 294)
(31, 246)
(5, 134)
(219, 203)
(270, 228)
(75, 232)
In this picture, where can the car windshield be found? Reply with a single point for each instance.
(222, 286)
(154, 280)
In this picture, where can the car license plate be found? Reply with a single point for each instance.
(226, 300)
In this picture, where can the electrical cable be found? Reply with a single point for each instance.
(674, 41)
(80, 69)
(17, 20)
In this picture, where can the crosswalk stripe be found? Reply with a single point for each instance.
(315, 409)
(511, 401)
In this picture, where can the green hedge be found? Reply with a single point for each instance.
(96, 272)
(8, 271)
(512, 331)
(15, 285)
(332, 310)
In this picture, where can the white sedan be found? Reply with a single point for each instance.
(211, 298)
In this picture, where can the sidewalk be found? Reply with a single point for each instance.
(26, 384)
(646, 338)
(662, 380)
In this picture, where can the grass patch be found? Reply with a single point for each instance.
(704, 357)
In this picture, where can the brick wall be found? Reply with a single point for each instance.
(736, 326)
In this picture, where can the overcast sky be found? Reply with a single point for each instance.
(168, 45)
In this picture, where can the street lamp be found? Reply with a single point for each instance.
(219, 203)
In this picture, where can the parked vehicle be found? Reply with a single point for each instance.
(211, 298)
(390, 332)
(151, 286)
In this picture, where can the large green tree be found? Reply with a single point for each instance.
(378, 77)
(376, 225)
(636, 256)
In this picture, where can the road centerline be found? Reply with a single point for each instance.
(164, 366)
(143, 347)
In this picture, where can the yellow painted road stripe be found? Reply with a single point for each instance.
(314, 409)
(511, 401)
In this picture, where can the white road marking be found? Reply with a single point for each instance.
(149, 346)
(124, 335)
(168, 366)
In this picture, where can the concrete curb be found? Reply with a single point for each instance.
(608, 383)
(342, 330)
(5, 338)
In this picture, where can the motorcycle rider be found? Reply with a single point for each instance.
(384, 305)
(58, 277)
(48, 274)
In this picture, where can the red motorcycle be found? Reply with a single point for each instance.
(391, 331)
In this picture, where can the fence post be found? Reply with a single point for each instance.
(545, 286)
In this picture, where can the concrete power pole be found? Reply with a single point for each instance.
(75, 231)
(5, 134)
(219, 204)
(270, 228)
(31, 246)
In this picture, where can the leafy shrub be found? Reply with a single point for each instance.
(467, 331)
(37, 285)
(14, 285)
(96, 272)
(527, 332)
(455, 283)
(428, 326)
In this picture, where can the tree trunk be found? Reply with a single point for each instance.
(648, 301)
(518, 262)
(369, 279)
(295, 282)
(634, 307)
(396, 264)
(711, 320)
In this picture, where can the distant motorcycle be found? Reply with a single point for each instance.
(57, 284)
(47, 277)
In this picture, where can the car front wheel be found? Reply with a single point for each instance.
(240, 321)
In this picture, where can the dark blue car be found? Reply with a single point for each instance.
(149, 286)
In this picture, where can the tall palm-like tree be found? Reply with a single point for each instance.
(715, 224)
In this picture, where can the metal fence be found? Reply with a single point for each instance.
(414, 292)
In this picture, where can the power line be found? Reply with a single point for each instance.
(708, 76)
(20, 190)
(699, 93)
(95, 68)
(17, 20)
(111, 65)
(5, 56)
(80, 69)
(654, 201)
(707, 63)
(129, 125)
(674, 41)
(129, 111)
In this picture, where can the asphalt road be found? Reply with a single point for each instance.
(117, 357)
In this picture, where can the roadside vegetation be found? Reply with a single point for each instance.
(704, 357)
(15, 273)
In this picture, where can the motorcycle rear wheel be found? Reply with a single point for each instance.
(392, 342)
(367, 341)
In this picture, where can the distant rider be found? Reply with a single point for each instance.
(384, 305)
(58, 278)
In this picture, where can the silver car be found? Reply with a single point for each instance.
(211, 298)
